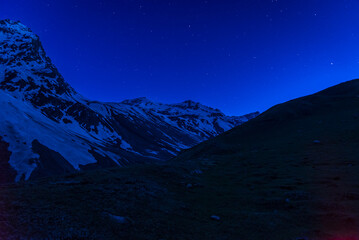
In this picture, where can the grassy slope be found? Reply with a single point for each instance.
(267, 179)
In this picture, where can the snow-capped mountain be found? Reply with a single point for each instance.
(47, 128)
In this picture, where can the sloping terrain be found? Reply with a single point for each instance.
(51, 129)
(291, 173)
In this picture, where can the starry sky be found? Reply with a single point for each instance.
(236, 55)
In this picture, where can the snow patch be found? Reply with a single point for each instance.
(21, 124)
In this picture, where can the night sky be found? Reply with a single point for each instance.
(236, 55)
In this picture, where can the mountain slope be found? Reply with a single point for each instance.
(295, 166)
(51, 129)
(291, 173)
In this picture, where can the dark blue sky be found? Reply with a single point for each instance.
(235, 55)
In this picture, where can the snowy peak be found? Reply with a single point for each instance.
(141, 101)
(197, 120)
(16, 28)
(189, 104)
(19, 43)
(192, 106)
(25, 67)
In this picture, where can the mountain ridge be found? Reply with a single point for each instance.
(44, 118)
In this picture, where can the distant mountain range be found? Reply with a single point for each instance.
(47, 128)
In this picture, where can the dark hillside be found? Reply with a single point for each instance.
(291, 173)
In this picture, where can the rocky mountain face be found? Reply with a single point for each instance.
(47, 128)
